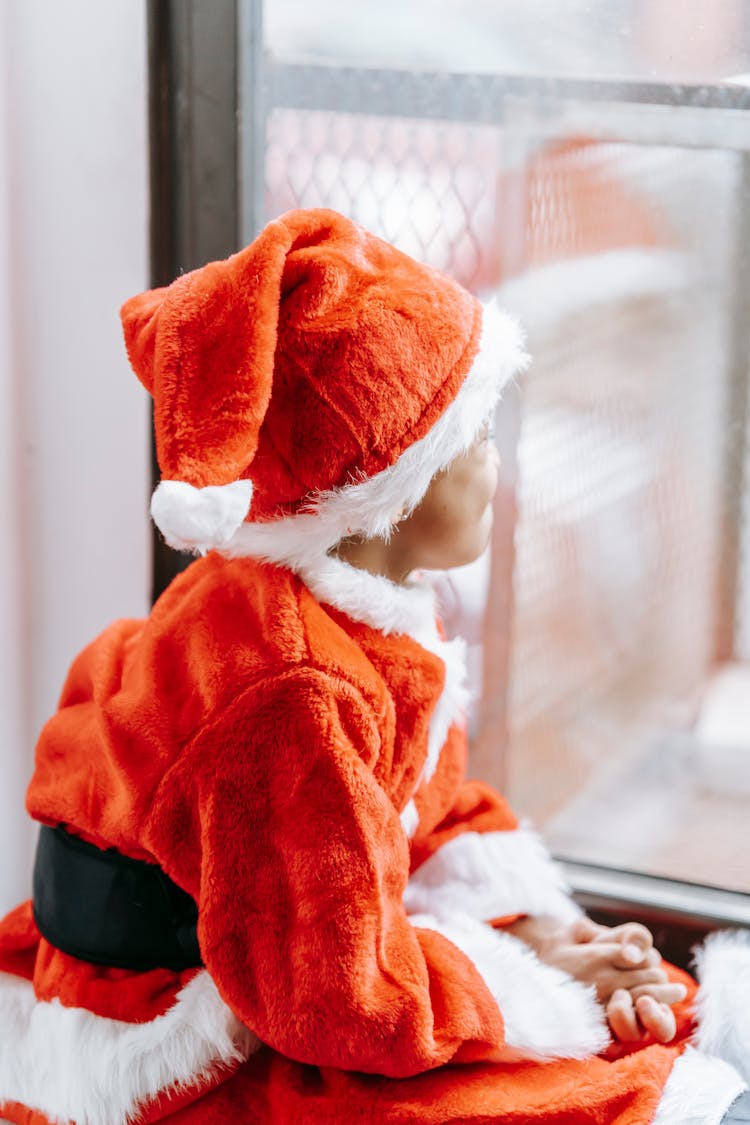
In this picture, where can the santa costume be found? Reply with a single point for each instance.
(265, 891)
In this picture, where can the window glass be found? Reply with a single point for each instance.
(668, 40)
(629, 699)
(610, 625)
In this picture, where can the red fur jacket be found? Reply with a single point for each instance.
(292, 755)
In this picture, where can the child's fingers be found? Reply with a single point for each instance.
(597, 964)
(585, 930)
(636, 944)
(611, 980)
(634, 932)
(629, 1019)
(622, 1017)
(637, 978)
(658, 1019)
(671, 993)
(631, 956)
(610, 953)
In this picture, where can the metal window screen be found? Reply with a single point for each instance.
(630, 589)
(429, 189)
(620, 615)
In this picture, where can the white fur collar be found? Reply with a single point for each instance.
(371, 598)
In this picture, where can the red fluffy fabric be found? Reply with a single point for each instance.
(316, 328)
(260, 747)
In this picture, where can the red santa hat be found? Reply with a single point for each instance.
(310, 386)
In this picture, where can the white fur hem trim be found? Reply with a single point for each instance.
(699, 1091)
(489, 875)
(368, 506)
(544, 297)
(198, 519)
(73, 1065)
(547, 1014)
(723, 1000)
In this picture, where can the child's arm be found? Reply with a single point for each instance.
(478, 858)
(275, 821)
(471, 852)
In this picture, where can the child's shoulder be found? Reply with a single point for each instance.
(145, 689)
(234, 621)
(238, 603)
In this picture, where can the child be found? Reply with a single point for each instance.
(264, 891)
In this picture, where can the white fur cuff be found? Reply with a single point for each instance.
(699, 1091)
(490, 875)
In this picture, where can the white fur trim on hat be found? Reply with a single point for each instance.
(367, 506)
(197, 519)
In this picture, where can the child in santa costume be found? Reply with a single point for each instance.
(264, 890)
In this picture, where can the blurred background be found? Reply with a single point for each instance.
(584, 163)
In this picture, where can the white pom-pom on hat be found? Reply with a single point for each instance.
(198, 519)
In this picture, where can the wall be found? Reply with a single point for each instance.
(74, 475)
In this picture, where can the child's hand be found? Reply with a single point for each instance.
(641, 1010)
(636, 941)
(632, 1016)
(620, 963)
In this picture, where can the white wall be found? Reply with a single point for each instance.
(74, 475)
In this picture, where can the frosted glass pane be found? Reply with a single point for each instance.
(662, 40)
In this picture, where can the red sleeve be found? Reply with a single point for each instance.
(475, 858)
(474, 807)
(299, 863)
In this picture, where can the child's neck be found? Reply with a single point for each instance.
(376, 556)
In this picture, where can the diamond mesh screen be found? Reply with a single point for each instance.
(622, 449)
(427, 187)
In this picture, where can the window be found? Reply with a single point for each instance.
(606, 204)
(590, 167)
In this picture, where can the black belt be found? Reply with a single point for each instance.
(109, 909)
